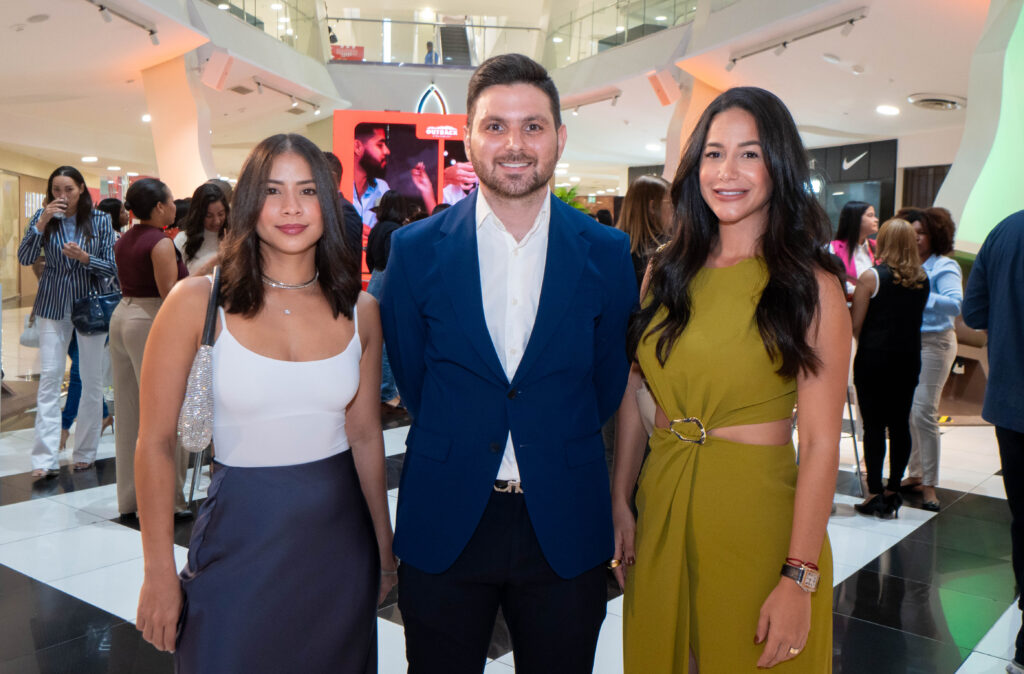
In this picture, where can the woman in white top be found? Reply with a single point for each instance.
(857, 222)
(203, 228)
(291, 550)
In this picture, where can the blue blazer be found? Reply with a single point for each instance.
(65, 280)
(569, 382)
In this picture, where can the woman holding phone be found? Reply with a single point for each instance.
(79, 245)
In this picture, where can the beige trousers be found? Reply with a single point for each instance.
(129, 329)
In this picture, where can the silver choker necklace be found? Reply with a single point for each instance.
(290, 286)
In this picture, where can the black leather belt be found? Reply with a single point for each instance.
(508, 486)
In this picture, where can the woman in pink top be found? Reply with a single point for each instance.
(857, 222)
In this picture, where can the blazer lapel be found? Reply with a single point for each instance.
(460, 267)
(563, 266)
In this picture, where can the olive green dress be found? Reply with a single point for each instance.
(715, 518)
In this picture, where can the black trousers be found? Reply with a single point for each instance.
(885, 382)
(449, 617)
(1011, 454)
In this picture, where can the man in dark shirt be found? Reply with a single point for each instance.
(353, 223)
(995, 302)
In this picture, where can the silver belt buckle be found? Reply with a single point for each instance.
(689, 420)
(511, 487)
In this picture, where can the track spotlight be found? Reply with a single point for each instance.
(781, 48)
(615, 99)
(295, 103)
(153, 38)
(730, 65)
(259, 88)
(847, 29)
(576, 111)
(105, 13)
(316, 110)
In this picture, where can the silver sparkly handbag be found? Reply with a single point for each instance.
(195, 423)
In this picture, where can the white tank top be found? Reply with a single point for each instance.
(269, 412)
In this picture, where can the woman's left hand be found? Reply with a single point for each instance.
(75, 252)
(784, 623)
(387, 582)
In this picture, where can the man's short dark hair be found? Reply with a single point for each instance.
(430, 45)
(366, 130)
(512, 69)
(335, 165)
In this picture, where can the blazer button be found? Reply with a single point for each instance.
(512, 394)
(495, 447)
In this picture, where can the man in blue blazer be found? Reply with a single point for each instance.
(505, 319)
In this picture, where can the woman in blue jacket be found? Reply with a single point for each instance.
(79, 245)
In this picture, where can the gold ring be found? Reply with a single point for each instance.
(614, 563)
(794, 651)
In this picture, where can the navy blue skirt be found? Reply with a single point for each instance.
(283, 573)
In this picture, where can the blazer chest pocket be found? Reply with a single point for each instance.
(584, 450)
(428, 444)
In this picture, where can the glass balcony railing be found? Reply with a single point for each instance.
(600, 25)
(402, 41)
(290, 21)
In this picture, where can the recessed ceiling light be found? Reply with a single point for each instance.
(620, 29)
(556, 39)
(113, 168)
(223, 5)
(661, 18)
(830, 58)
(289, 32)
(89, 160)
(574, 179)
(600, 191)
(283, 19)
(838, 194)
(563, 164)
(857, 69)
(888, 110)
(561, 172)
(147, 118)
(132, 174)
(276, 6)
(653, 147)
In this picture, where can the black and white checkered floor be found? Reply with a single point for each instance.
(927, 593)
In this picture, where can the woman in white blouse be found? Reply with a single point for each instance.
(203, 228)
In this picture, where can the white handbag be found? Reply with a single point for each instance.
(30, 335)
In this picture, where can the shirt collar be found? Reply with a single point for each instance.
(484, 214)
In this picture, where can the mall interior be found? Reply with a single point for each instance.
(901, 103)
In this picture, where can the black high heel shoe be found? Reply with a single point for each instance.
(892, 506)
(876, 506)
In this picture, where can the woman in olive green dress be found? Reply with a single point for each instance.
(742, 315)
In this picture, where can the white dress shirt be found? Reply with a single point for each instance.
(511, 276)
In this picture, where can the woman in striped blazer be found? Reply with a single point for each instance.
(79, 245)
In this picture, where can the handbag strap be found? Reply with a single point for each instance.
(211, 309)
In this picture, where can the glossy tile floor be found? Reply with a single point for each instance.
(929, 592)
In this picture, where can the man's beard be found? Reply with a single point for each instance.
(514, 186)
(371, 167)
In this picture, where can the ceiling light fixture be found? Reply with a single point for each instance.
(108, 13)
(620, 29)
(844, 21)
(563, 164)
(574, 179)
(887, 110)
(556, 39)
(89, 159)
(223, 6)
(147, 118)
(295, 100)
(276, 7)
(661, 18)
(576, 111)
(730, 65)
(653, 147)
(577, 101)
(132, 174)
(830, 58)
(113, 168)
(316, 110)
(857, 69)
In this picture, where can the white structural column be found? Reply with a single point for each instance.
(984, 183)
(696, 96)
(180, 125)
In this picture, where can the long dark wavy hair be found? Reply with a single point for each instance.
(849, 225)
(242, 263)
(204, 196)
(793, 243)
(83, 211)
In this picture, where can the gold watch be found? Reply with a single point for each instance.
(806, 577)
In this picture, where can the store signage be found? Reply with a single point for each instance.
(33, 202)
(432, 93)
(849, 163)
(441, 132)
(346, 53)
